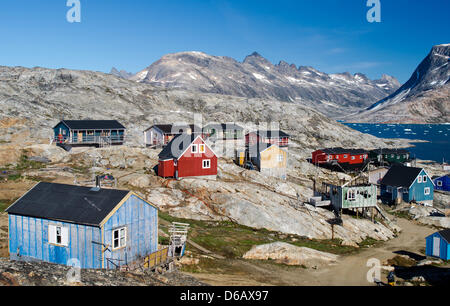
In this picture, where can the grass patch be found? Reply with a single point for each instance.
(4, 204)
(233, 240)
(14, 177)
(26, 164)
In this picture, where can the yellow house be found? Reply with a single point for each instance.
(270, 159)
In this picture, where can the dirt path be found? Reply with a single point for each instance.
(350, 271)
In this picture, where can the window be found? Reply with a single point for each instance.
(345, 156)
(419, 179)
(280, 158)
(424, 178)
(351, 195)
(389, 189)
(119, 238)
(439, 183)
(202, 148)
(360, 157)
(194, 148)
(58, 235)
(206, 164)
(353, 158)
(427, 191)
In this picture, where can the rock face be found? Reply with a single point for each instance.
(45, 274)
(256, 77)
(423, 99)
(289, 254)
(34, 100)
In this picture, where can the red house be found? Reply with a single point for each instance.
(278, 138)
(187, 156)
(340, 156)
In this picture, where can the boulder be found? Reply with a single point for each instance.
(289, 254)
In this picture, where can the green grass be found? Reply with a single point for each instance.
(26, 164)
(233, 240)
(14, 177)
(4, 204)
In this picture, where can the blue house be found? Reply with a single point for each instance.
(442, 183)
(89, 132)
(438, 245)
(99, 228)
(407, 184)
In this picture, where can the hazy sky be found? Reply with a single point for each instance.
(332, 36)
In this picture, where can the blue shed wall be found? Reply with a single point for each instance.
(29, 237)
(141, 221)
(445, 183)
(63, 128)
(444, 247)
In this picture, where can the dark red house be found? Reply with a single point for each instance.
(340, 156)
(187, 156)
(278, 138)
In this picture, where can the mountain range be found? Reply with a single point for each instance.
(256, 77)
(424, 98)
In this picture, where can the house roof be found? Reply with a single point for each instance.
(259, 147)
(176, 128)
(68, 203)
(340, 150)
(400, 176)
(390, 151)
(224, 127)
(272, 134)
(93, 124)
(445, 234)
(177, 146)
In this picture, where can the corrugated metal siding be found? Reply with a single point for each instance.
(30, 237)
(141, 221)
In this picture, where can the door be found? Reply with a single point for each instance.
(80, 137)
(436, 246)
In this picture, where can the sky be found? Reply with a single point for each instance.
(329, 35)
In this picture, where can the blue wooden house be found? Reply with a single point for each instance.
(89, 132)
(407, 184)
(99, 228)
(438, 245)
(442, 183)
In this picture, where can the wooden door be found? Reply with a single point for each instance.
(436, 246)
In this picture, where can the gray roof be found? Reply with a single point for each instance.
(93, 124)
(259, 147)
(68, 203)
(400, 176)
(445, 234)
(176, 128)
(177, 146)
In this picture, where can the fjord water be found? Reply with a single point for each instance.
(438, 136)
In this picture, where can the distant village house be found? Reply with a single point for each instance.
(162, 134)
(270, 159)
(279, 138)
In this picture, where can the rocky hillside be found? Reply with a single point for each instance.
(34, 100)
(423, 99)
(256, 77)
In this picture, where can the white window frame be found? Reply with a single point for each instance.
(351, 195)
(439, 183)
(208, 162)
(119, 238)
(196, 149)
(345, 156)
(427, 191)
(280, 158)
(424, 179)
(353, 157)
(419, 179)
(63, 235)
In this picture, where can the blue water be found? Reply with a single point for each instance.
(438, 135)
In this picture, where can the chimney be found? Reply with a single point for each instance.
(97, 182)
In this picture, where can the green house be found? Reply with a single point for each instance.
(348, 197)
(390, 156)
(224, 131)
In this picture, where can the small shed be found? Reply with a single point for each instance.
(99, 228)
(438, 245)
(442, 183)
